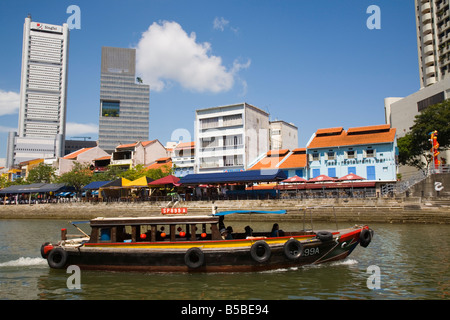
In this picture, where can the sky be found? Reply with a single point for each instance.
(315, 64)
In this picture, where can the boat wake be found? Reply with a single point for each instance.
(25, 262)
(346, 262)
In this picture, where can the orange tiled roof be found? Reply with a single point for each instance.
(354, 136)
(270, 161)
(134, 144)
(75, 154)
(330, 130)
(103, 158)
(296, 160)
(146, 143)
(381, 127)
(129, 145)
(160, 163)
(280, 152)
(185, 145)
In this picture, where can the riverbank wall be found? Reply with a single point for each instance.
(358, 211)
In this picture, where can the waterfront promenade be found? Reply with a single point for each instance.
(385, 210)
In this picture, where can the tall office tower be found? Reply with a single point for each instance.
(124, 103)
(43, 91)
(433, 40)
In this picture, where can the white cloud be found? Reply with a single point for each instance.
(80, 129)
(167, 54)
(220, 23)
(9, 102)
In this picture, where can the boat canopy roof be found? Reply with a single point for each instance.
(166, 220)
(224, 213)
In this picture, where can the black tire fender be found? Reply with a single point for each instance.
(260, 251)
(365, 237)
(57, 258)
(324, 236)
(43, 254)
(293, 249)
(194, 258)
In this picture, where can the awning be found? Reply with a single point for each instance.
(294, 179)
(322, 178)
(95, 185)
(140, 182)
(234, 177)
(328, 186)
(35, 188)
(116, 183)
(350, 177)
(168, 180)
(224, 213)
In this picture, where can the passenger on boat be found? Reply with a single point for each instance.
(229, 233)
(221, 223)
(248, 231)
(276, 232)
(223, 233)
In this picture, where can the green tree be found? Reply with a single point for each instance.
(112, 173)
(78, 177)
(159, 173)
(43, 173)
(414, 147)
(134, 173)
(3, 181)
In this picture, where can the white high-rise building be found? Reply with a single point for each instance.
(229, 138)
(433, 40)
(43, 91)
(433, 47)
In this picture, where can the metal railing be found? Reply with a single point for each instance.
(404, 185)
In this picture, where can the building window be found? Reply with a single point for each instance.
(276, 132)
(437, 98)
(351, 154)
(209, 142)
(232, 141)
(370, 153)
(233, 120)
(331, 155)
(110, 108)
(210, 162)
(209, 123)
(316, 173)
(315, 156)
(229, 161)
(332, 172)
(371, 173)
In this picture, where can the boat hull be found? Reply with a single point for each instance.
(246, 255)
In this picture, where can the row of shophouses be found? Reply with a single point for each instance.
(369, 152)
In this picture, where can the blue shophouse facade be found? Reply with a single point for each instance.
(370, 154)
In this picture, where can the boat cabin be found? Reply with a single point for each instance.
(152, 229)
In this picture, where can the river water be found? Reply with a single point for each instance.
(413, 263)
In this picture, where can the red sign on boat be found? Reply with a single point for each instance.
(174, 210)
